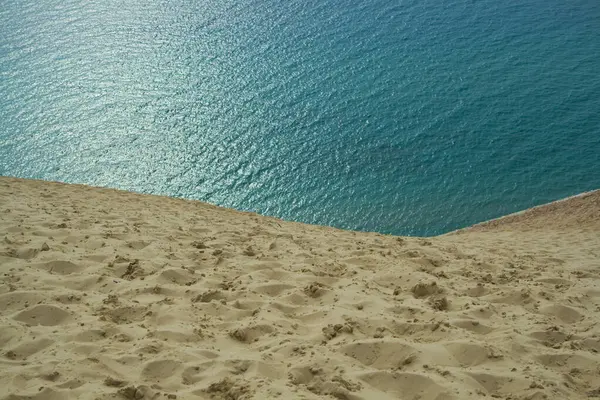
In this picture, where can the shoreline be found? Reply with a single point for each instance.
(557, 206)
(109, 294)
(494, 222)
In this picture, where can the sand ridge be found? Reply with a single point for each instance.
(575, 212)
(106, 294)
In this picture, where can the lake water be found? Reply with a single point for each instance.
(408, 117)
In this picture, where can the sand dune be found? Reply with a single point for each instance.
(112, 295)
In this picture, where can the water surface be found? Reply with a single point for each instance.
(406, 117)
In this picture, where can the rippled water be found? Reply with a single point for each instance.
(407, 117)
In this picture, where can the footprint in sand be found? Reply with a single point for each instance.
(469, 354)
(28, 348)
(126, 315)
(386, 354)
(251, 334)
(273, 289)
(18, 300)
(565, 314)
(161, 369)
(61, 267)
(472, 325)
(498, 384)
(406, 385)
(43, 314)
(178, 276)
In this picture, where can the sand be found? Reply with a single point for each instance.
(106, 294)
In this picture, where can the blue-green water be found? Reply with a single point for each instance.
(407, 117)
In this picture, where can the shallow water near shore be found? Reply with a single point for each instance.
(404, 117)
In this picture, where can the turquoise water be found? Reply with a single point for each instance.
(408, 117)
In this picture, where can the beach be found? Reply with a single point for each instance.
(106, 294)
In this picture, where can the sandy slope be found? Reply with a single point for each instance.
(112, 295)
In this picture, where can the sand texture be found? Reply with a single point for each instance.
(112, 295)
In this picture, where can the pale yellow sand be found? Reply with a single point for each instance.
(112, 295)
